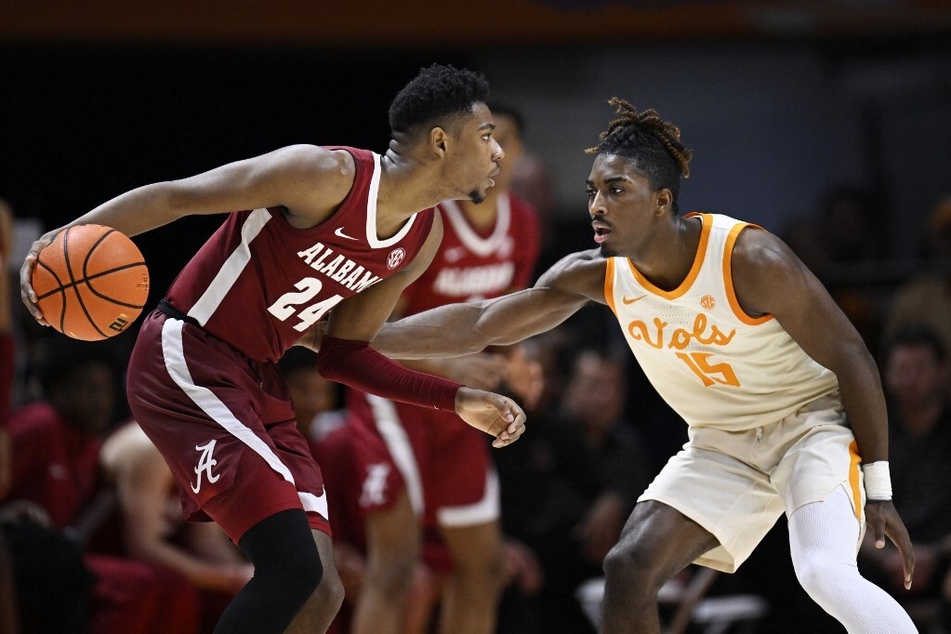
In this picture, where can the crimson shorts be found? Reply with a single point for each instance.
(442, 463)
(225, 425)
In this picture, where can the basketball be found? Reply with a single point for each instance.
(91, 282)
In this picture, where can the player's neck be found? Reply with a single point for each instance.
(670, 256)
(405, 189)
(481, 215)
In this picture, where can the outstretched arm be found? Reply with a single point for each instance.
(463, 328)
(307, 180)
(344, 356)
(769, 278)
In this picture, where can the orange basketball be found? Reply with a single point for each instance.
(91, 282)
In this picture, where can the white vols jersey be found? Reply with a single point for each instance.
(714, 365)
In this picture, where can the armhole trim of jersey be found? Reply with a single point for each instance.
(609, 285)
(728, 276)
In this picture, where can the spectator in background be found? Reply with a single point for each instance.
(151, 527)
(927, 298)
(56, 493)
(571, 484)
(915, 370)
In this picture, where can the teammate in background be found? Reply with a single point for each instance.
(782, 398)
(423, 467)
(149, 530)
(323, 232)
(327, 430)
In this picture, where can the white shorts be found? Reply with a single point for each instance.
(736, 484)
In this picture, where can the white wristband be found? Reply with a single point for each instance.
(878, 481)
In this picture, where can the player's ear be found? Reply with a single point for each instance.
(438, 139)
(664, 200)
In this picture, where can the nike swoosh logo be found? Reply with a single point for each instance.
(631, 300)
(339, 233)
(455, 254)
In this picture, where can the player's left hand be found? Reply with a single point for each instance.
(496, 415)
(883, 519)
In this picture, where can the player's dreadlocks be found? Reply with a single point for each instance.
(651, 144)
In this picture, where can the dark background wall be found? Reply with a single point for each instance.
(779, 101)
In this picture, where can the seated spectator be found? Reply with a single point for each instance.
(926, 298)
(916, 369)
(569, 485)
(55, 504)
(152, 529)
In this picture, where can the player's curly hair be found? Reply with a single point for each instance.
(651, 144)
(439, 92)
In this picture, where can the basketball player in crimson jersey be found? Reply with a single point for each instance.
(422, 466)
(782, 398)
(330, 233)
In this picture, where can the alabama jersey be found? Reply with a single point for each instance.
(713, 363)
(259, 283)
(202, 379)
(471, 265)
(441, 462)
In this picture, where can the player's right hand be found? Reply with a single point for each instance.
(883, 520)
(496, 415)
(27, 294)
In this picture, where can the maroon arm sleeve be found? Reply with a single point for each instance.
(355, 364)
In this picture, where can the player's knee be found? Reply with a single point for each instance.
(484, 568)
(303, 573)
(820, 578)
(330, 592)
(629, 567)
(389, 574)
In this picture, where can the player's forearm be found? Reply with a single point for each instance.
(458, 329)
(447, 331)
(864, 403)
(137, 211)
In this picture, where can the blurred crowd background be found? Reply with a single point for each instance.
(827, 123)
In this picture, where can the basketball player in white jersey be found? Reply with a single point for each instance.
(783, 400)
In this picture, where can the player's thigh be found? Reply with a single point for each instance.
(661, 540)
(474, 546)
(394, 534)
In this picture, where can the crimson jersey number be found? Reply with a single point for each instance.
(297, 303)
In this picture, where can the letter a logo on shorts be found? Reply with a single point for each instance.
(374, 485)
(205, 464)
